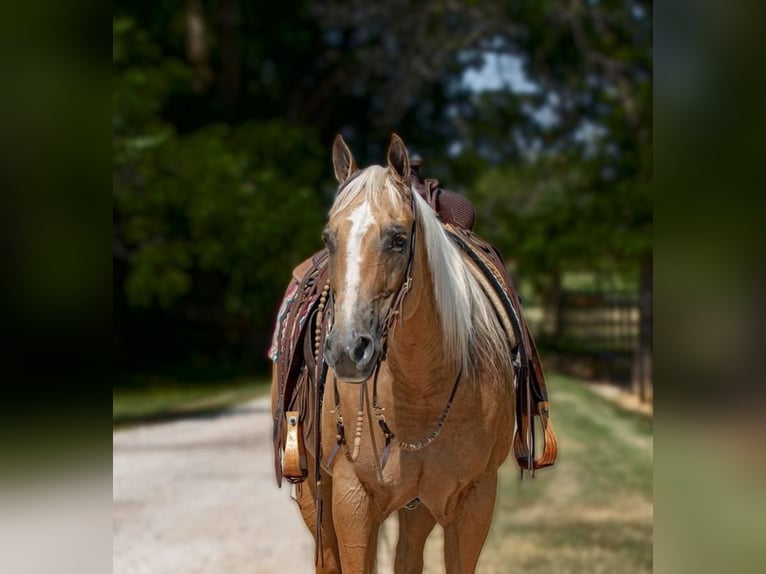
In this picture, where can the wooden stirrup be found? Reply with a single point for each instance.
(294, 467)
(550, 447)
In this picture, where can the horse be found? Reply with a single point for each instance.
(419, 366)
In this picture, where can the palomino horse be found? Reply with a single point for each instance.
(420, 379)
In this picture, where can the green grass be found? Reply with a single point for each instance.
(592, 512)
(714, 493)
(151, 399)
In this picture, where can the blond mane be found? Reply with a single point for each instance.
(473, 337)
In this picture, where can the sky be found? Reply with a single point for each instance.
(499, 72)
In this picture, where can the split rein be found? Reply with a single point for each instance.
(394, 316)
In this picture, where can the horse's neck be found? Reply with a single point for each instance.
(416, 347)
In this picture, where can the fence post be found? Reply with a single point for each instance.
(642, 366)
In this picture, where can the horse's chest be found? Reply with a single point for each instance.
(474, 439)
(468, 445)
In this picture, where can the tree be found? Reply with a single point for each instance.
(225, 108)
(207, 223)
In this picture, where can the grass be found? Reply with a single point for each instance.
(153, 399)
(714, 492)
(592, 512)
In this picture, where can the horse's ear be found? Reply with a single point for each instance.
(398, 159)
(342, 160)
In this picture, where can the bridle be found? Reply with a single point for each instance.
(394, 314)
(394, 317)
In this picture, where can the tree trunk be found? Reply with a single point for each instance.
(558, 307)
(642, 365)
(197, 48)
(230, 77)
(551, 324)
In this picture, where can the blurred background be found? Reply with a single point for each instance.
(511, 85)
(223, 117)
(540, 112)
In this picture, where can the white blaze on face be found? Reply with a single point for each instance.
(361, 219)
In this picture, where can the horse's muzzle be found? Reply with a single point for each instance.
(353, 357)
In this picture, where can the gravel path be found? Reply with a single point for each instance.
(199, 496)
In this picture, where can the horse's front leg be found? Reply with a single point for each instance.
(464, 536)
(306, 496)
(356, 523)
(414, 528)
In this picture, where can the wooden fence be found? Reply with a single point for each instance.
(596, 333)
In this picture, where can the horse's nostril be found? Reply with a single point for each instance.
(362, 350)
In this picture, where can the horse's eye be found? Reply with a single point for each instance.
(328, 239)
(398, 242)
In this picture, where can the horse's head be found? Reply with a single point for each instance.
(368, 236)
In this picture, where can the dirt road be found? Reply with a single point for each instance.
(199, 496)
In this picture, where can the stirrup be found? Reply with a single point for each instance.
(294, 467)
(550, 445)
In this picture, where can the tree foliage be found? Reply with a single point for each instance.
(207, 223)
(224, 112)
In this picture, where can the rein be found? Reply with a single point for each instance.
(393, 317)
